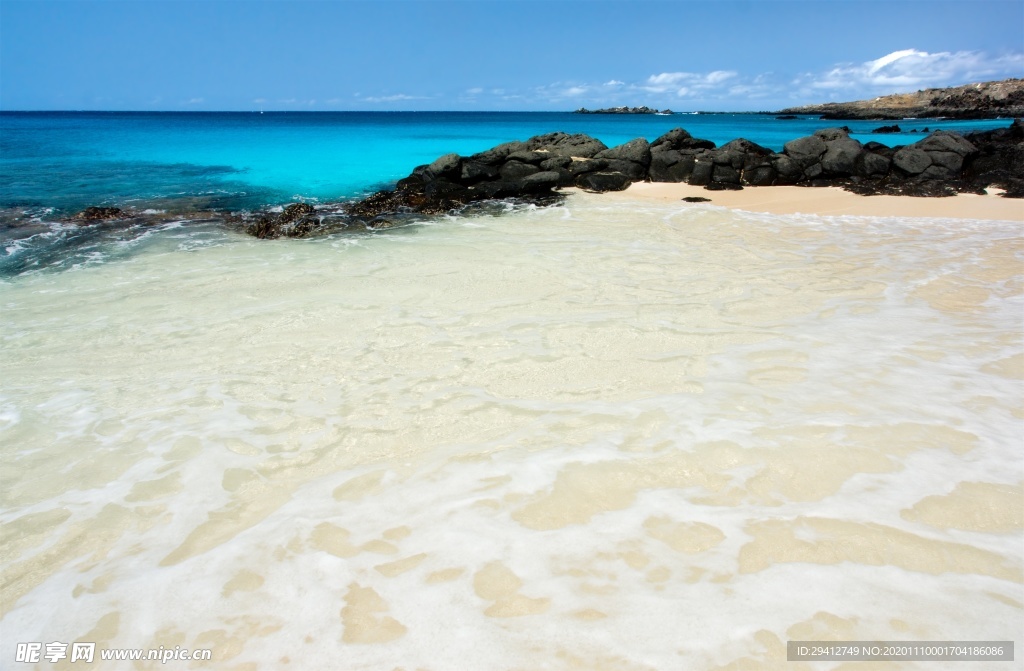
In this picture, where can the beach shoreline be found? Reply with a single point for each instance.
(827, 201)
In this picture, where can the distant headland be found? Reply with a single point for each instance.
(984, 100)
(623, 110)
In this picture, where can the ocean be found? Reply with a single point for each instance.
(600, 435)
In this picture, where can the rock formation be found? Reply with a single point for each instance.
(986, 100)
(623, 110)
(941, 164)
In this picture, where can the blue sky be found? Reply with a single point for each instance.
(494, 54)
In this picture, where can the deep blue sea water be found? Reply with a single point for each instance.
(69, 160)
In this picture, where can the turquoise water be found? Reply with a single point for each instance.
(68, 161)
(191, 168)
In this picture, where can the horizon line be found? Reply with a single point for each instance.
(375, 111)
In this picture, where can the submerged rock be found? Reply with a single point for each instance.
(99, 214)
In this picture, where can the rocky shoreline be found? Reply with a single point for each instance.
(984, 100)
(942, 164)
(533, 171)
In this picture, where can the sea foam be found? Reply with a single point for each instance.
(599, 435)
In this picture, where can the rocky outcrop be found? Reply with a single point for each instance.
(999, 160)
(623, 110)
(99, 214)
(985, 100)
(943, 163)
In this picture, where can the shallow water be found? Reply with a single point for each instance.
(596, 436)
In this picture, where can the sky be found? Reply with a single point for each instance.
(487, 55)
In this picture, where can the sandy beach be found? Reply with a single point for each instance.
(832, 201)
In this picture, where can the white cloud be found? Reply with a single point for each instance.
(686, 83)
(398, 97)
(194, 101)
(614, 82)
(474, 91)
(910, 69)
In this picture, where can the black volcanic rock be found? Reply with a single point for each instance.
(911, 160)
(99, 214)
(563, 144)
(513, 170)
(805, 150)
(671, 166)
(636, 151)
(623, 110)
(603, 181)
(940, 164)
(888, 129)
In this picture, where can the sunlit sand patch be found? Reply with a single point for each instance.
(155, 489)
(497, 583)
(828, 541)
(824, 626)
(243, 581)
(951, 294)
(973, 506)
(359, 486)
(771, 654)
(1011, 367)
(1002, 598)
(392, 569)
(334, 540)
(445, 575)
(225, 524)
(229, 642)
(685, 537)
(81, 540)
(363, 619)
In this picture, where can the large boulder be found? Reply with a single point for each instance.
(999, 160)
(869, 164)
(635, 171)
(787, 170)
(671, 166)
(580, 166)
(475, 171)
(805, 150)
(513, 170)
(445, 166)
(679, 139)
(840, 157)
(498, 153)
(603, 181)
(528, 156)
(911, 161)
(946, 141)
(703, 168)
(563, 144)
(540, 182)
(636, 151)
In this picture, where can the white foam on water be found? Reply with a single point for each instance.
(625, 436)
